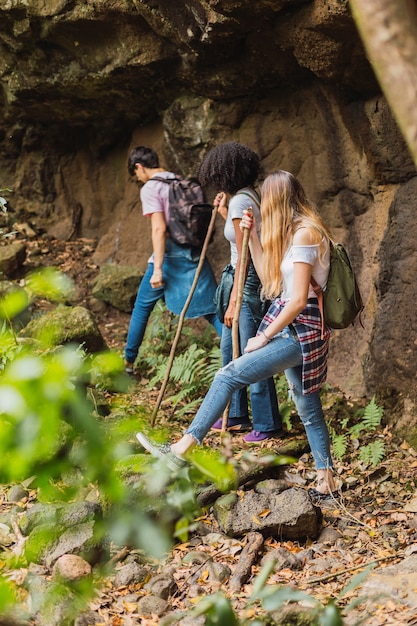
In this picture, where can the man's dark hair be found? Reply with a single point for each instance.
(229, 167)
(145, 156)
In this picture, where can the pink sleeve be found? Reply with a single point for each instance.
(150, 197)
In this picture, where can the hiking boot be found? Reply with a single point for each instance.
(318, 498)
(129, 370)
(161, 451)
(257, 436)
(234, 424)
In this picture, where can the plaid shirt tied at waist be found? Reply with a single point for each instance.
(315, 350)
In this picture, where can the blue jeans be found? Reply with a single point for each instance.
(263, 397)
(145, 302)
(282, 353)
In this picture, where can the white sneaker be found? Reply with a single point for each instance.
(161, 451)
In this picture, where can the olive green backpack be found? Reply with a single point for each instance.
(341, 302)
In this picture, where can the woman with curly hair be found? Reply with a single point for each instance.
(294, 247)
(232, 169)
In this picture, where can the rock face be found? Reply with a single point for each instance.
(83, 82)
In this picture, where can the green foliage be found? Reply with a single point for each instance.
(9, 347)
(50, 283)
(49, 430)
(371, 418)
(343, 436)
(286, 404)
(194, 366)
(339, 444)
(8, 595)
(160, 333)
(193, 372)
(373, 453)
(217, 610)
(214, 467)
(13, 303)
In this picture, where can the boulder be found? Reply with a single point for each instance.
(70, 567)
(395, 581)
(286, 515)
(117, 285)
(12, 257)
(64, 325)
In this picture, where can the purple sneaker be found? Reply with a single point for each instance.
(257, 437)
(234, 424)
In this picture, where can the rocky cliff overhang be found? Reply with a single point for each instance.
(87, 71)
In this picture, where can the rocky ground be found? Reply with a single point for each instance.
(373, 524)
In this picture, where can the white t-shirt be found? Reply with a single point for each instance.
(237, 204)
(304, 254)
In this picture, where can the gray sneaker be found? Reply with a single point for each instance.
(161, 451)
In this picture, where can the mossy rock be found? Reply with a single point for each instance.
(65, 325)
(117, 285)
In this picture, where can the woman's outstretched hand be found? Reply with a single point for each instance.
(255, 343)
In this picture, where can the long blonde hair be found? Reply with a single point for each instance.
(284, 208)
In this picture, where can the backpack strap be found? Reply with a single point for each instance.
(163, 180)
(251, 193)
(319, 293)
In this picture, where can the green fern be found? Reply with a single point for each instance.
(188, 366)
(213, 365)
(370, 419)
(339, 445)
(373, 415)
(191, 374)
(286, 404)
(373, 453)
(187, 408)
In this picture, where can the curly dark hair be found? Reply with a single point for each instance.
(229, 167)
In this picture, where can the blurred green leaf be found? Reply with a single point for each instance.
(218, 611)
(215, 467)
(330, 616)
(275, 598)
(8, 595)
(13, 303)
(51, 284)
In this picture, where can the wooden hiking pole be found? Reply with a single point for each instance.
(183, 312)
(239, 299)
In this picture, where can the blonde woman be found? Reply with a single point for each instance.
(293, 247)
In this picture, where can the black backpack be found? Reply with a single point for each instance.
(189, 213)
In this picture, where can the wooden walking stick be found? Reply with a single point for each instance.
(183, 312)
(239, 298)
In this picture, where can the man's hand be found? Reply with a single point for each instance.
(230, 313)
(156, 279)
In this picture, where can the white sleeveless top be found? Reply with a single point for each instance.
(304, 254)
